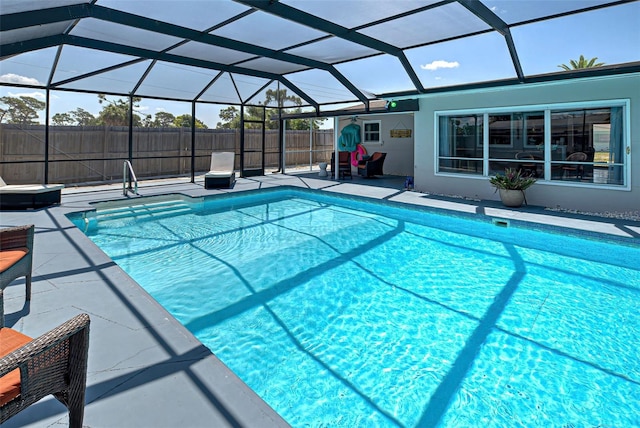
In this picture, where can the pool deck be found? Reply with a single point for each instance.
(147, 370)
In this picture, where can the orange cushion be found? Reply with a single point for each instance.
(9, 257)
(10, 340)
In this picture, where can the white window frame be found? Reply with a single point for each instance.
(547, 109)
(364, 132)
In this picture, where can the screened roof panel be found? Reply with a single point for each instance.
(120, 80)
(14, 6)
(272, 65)
(75, 62)
(222, 90)
(34, 32)
(31, 68)
(269, 97)
(175, 81)
(457, 62)
(266, 30)
(197, 14)
(122, 34)
(348, 50)
(444, 22)
(332, 50)
(261, 98)
(383, 73)
(517, 11)
(545, 45)
(354, 13)
(320, 85)
(210, 53)
(248, 86)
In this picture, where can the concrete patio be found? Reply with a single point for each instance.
(147, 370)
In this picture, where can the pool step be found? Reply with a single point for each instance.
(143, 211)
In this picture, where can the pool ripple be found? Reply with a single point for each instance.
(351, 314)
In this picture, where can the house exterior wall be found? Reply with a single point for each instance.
(543, 193)
(399, 160)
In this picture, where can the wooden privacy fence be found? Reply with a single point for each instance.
(95, 154)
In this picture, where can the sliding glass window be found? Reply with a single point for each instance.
(460, 144)
(588, 146)
(516, 140)
(576, 145)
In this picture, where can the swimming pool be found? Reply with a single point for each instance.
(349, 313)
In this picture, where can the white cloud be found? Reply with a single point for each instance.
(34, 94)
(17, 79)
(435, 65)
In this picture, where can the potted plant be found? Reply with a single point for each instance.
(511, 186)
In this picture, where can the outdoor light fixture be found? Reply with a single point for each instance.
(402, 105)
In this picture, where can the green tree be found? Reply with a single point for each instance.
(22, 110)
(164, 119)
(79, 117)
(230, 118)
(83, 117)
(287, 102)
(62, 119)
(281, 98)
(148, 122)
(184, 121)
(116, 112)
(581, 63)
(231, 115)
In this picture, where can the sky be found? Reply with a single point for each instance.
(612, 35)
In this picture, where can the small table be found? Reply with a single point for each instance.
(323, 169)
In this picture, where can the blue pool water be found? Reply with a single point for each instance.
(339, 312)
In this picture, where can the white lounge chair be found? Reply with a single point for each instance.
(221, 174)
(24, 196)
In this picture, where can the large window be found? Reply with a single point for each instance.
(583, 145)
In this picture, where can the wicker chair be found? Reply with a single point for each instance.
(16, 255)
(54, 363)
(372, 166)
(575, 169)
